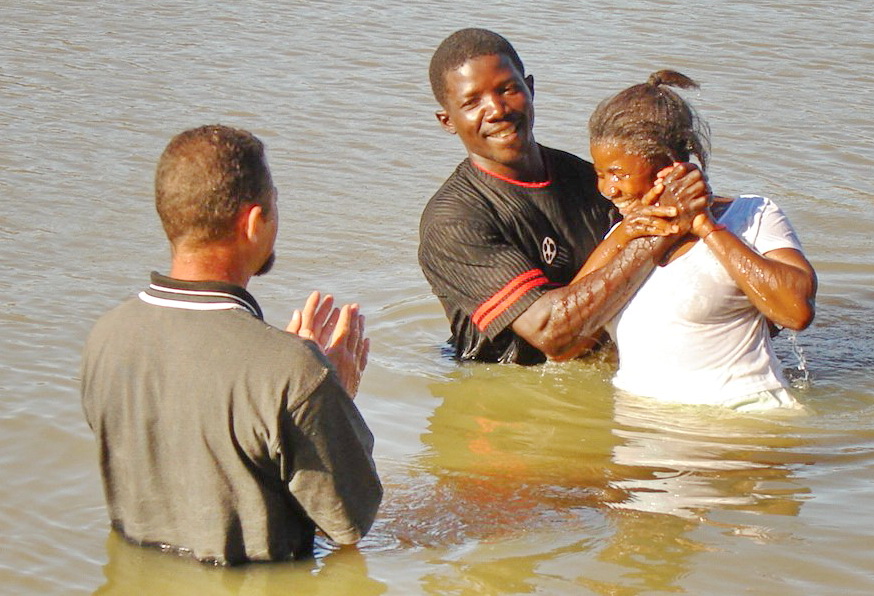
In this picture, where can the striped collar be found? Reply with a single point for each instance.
(198, 295)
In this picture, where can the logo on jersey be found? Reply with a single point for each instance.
(548, 249)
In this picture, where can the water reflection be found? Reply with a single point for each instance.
(688, 460)
(542, 479)
(550, 452)
(515, 449)
(133, 569)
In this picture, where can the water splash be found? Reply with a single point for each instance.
(800, 376)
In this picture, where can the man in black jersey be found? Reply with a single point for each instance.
(503, 238)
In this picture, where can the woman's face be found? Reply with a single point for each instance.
(623, 177)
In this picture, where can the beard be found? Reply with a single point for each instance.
(268, 264)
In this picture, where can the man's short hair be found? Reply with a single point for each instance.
(462, 46)
(204, 176)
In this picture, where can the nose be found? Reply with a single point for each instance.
(496, 107)
(607, 188)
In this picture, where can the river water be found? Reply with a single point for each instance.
(499, 479)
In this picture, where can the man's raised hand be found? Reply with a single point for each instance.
(316, 321)
(348, 348)
(339, 332)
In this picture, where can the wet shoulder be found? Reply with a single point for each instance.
(760, 222)
(741, 212)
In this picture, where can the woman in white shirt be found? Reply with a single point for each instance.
(698, 330)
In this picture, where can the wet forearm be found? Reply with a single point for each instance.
(781, 285)
(602, 255)
(562, 322)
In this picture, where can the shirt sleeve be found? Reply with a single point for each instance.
(771, 229)
(471, 266)
(328, 465)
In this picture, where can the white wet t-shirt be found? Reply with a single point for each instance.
(690, 334)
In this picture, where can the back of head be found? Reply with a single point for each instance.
(204, 176)
(653, 121)
(462, 46)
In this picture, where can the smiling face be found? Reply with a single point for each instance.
(489, 106)
(623, 177)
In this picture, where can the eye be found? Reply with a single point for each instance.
(470, 103)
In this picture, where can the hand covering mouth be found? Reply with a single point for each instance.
(623, 204)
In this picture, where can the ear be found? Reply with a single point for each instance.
(253, 222)
(529, 80)
(445, 121)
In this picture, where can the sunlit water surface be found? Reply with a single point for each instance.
(499, 479)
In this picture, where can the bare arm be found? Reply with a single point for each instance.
(649, 221)
(781, 283)
(561, 323)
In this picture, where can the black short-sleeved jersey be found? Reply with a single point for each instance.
(490, 247)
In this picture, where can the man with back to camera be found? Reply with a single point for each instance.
(221, 436)
(507, 232)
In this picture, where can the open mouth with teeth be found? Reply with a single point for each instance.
(503, 134)
(508, 131)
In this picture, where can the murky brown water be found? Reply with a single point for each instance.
(499, 479)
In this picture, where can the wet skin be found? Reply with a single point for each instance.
(629, 182)
(781, 283)
(489, 105)
(622, 177)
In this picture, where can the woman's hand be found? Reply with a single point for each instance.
(685, 187)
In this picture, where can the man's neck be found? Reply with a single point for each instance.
(214, 263)
(532, 168)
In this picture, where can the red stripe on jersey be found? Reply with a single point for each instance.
(511, 181)
(495, 306)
